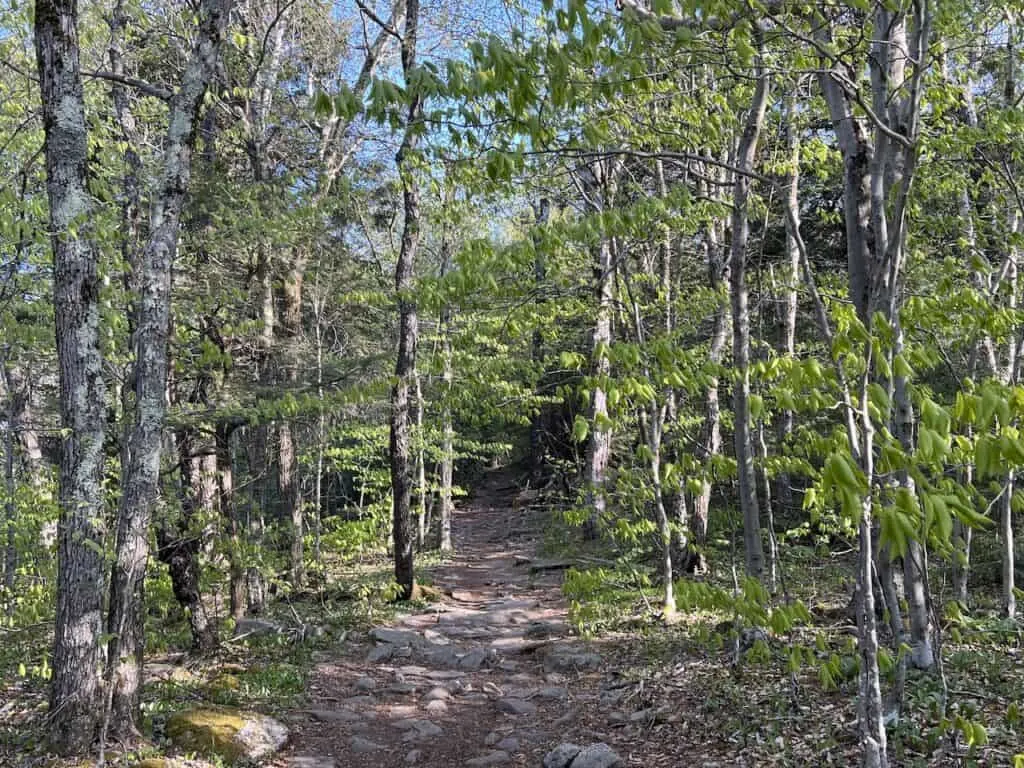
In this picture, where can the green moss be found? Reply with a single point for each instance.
(208, 731)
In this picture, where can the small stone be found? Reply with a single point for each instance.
(493, 738)
(413, 756)
(618, 718)
(497, 757)
(437, 693)
(444, 674)
(507, 665)
(555, 692)
(359, 744)
(402, 688)
(435, 637)
(597, 756)
(569, 661)
(561, 756)
(310, 761)
(365, 684)
(436, 707)
(380, 653)
(516, 706)
(417, 730)
(411, 669)
(255, 627)
(334, 715)
(508, 744)
(357, 702)
(565, 719)
(473, 660)
(395, 636)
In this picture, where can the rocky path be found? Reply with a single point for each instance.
(491, 676)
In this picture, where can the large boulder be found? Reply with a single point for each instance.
(231, 734)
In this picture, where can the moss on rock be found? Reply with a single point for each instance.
(228, 733)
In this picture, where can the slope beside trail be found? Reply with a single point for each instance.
(489, 676)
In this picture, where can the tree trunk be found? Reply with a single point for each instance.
(145, 441)
(1006, 542)
(421, 466)
(75, 685)
(447, 428)
(788, 305)
(229, 514)
(538, 425)
(753, 547)
(711, 431)
(289, 485)
(408, 333)
(178, 545)
(599, 446)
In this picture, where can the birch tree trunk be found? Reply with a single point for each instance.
(447, 427)
(75, 685)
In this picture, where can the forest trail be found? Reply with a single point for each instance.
(489, 676)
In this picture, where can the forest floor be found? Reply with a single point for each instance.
(491, 674)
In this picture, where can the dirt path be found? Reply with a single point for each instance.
(490, 676)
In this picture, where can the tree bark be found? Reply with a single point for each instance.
(599, 446)
(750, 510)
(408, 332)
(75, 685)
(178, 545)
(447, 427)
(145, 441)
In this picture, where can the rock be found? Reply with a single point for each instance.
(357, 702)
(561, 756)
(508, 744)
(493, 738)
(507, 665)
(444, 674)
(437, 693)
(359, 744)
(565, 719)
(395, 636)
(568, 660)
(380, 653)
(516, 706)
(412, 756)
(473, 660)
(403, 689)
(442, 656)
(497, 757)
(256, 627)
(597, 756)
(418, 730)
(611, 698)
(435, 637)
(411, 669)
(231, 734)
(436, 707)
(538, 630)
(334, 715)
(555, 692)
(310, 761)
(365, 684)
